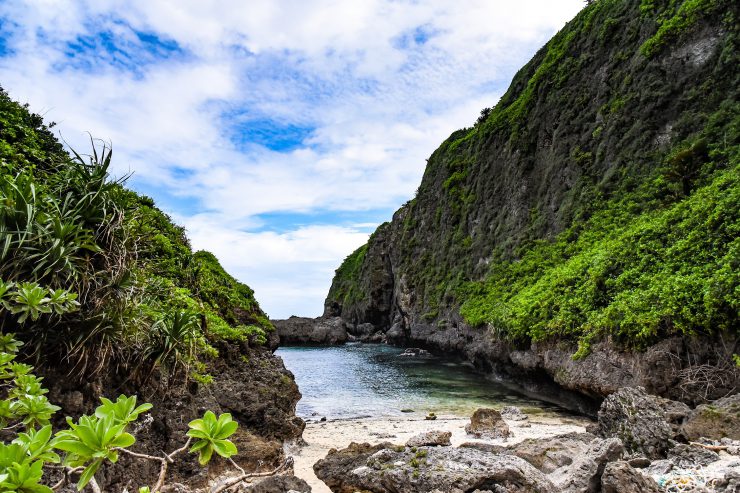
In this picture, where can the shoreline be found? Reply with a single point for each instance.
(321, 436)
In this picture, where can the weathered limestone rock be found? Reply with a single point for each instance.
(620, 477)
(278, 484)
(549, 454)
(487, 423)
(392, 470)
(645, 423)
(716, 420)
(513, 413)
(302, 330)
(430, 438)
(584, 474)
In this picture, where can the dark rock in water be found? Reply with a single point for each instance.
(414, 352)
(278, 484)
(645, 423)
(620, 477)
(385, 469)
(430, 417)
(715, 420)
(302, 330)
(583, 475)
(691, 456)
(549, 454)
(487, 423)
(513, 413)
(430, 439)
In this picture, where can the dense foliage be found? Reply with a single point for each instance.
(69, 234)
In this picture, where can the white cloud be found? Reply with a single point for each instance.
(378, 104)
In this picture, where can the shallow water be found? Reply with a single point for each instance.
(361, 380)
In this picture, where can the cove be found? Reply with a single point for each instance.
(358, 380)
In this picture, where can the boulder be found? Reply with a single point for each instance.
(278, 484)
(645, 423)
(583, 475)
(430, 438)
(620, 477)
(691, 456)
(487, 423)
(396, 470)
(549, 454)
(513, 413)
(716, 420)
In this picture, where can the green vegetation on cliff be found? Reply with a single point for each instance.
(142, 297)
(598, 198)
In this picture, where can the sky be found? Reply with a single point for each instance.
(280, 133)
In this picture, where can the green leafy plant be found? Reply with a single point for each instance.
(211, 435)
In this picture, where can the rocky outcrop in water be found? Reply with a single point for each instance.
(309, 331)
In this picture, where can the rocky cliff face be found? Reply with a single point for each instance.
(627, 118)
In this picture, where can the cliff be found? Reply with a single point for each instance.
(585, 229)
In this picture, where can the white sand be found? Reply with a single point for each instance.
(322, 436)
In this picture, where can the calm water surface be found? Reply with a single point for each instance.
(359, 380)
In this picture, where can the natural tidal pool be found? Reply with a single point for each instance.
(372, 380)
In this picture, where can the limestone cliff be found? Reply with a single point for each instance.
(591, 213)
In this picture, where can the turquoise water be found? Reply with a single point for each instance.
(360, 380)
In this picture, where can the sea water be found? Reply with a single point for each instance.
(372, 380)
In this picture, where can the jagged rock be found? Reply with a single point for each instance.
(278, 484)
(715, 420)
(487, 423)
(645, 423)
(513, 413)
(389, 470)
(620, 477)
(549, 454)
(430, 438)
(584, 474)
(730, 483)
(302, 330)
(691, 456)
(333, 469)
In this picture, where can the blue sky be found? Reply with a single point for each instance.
(280, 133)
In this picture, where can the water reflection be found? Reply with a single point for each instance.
(357, 380)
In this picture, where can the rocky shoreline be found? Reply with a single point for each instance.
(640, 444)
(669, 368)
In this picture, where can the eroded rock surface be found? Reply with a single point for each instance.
(645, 423)
(487, 423)
(401, 470)
(302, 330)
(716, 420)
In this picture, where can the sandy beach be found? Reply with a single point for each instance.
(320, 437)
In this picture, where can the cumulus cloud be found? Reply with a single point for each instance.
(229, 112)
